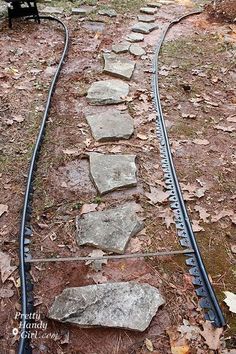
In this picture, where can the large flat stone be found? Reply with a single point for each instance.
(136, 50)
(109, 230)
(148, 10)
(83, 10)
(153, 4)
(146, 18)
(110, 125)
(120, 305)
(134, 37)
(52, 10)
(108, 12)
(110, 172)
(120, 67)
(107, 92)
(122, 47)
(145, 28)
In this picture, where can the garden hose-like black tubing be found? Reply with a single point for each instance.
(26, 285)
(204, 290)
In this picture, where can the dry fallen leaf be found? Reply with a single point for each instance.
(5, 267)
(6, 293)
(211, 335)
(188, 331)
(157, 195)
(232, 119)
(88, 208)
(70, 151)
(98, 278)
(135, 245)
(222, 214)
(203, 214)
(230, 300)
(149, 345)
(168, 216)
(178, 343)
(224, 128)
(96, 264)
(196, 227)
(3, 209)
(142, 137)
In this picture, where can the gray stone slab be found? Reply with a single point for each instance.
(107, 92)
(117, 66)
(110, 125)
(121, 305)
(52, 10)
(136, 50)
(93, 26)
(134, 37)
(108, 230)
(83, 10)
(153, 4)
(122, 47)
(108, 12)
(148, 10)
(145, 28)
(146, 18)
(110, 172)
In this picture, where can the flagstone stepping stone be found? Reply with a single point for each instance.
(117, 66)
(153, 4)
(122, 47)
(108, 12)
(134, 37)
(148, 10)
(110, 125)
(93, 26)
(83, 10)
(107, 92)
(146, 18)
(126, 305)
(53, 10)
(109, 230)
(145, 28)
(110, 172)
(136, 50)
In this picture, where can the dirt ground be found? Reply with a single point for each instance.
(197, 87)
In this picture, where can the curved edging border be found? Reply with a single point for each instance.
(26, 284)
(204, 289)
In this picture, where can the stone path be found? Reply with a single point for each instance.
(126, 305)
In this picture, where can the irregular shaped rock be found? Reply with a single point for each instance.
(136, 50)
(83, 10)
(110, 125)
(108, 12)
(109, 230)
(107, 92)
(146, 18)
(148, 10)
(53, 10)
(110, 172)
(93, 26)
(120, 305)
(145, 28)
(117, 66)
(122, 47)
(153, 4)
(134, 37)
